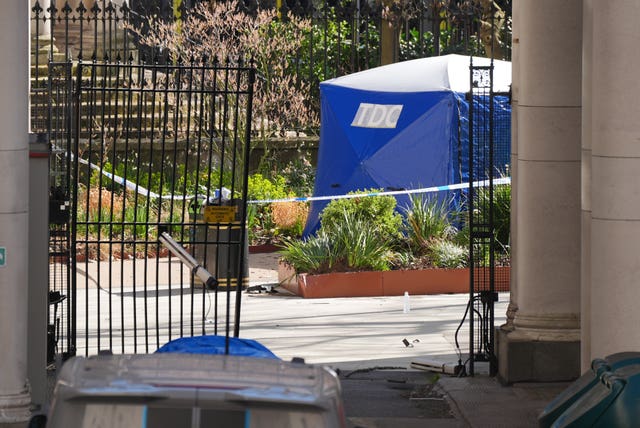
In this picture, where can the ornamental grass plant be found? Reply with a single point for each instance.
(367, 233)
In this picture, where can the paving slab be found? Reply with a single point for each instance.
(373, 338)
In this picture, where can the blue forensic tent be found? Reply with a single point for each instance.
(401, 126)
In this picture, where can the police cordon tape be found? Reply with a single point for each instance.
(481, 183)
(145, 192)
(132, 185)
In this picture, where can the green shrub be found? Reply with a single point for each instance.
(359, 244)
(259, 217)
(427, 219)
(373, 210)
(351, 244)
(313, 255)
(501, 213)
(446, 254)
(262, 188)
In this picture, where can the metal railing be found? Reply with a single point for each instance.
(121, 295)
(345, 35)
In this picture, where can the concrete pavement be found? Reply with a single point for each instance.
(366, 335)
(365, 340)
(362, 338)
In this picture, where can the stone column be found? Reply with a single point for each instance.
(615, 178)
(14, 164)
(585, 280)
(545, 342)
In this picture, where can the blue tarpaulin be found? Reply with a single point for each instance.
(399, 127)
(216, 345)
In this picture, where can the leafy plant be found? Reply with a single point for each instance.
(359, 244)
(376, 210)
(263, 188)
(428, 218)
(412, 46)
(335, 46)
(447, 254)
(352, 244)
(269, 222)
(300, 176)
(313, 255)
(501, 213)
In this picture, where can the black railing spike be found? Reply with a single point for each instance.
(37, 9)
(118, 58)
(110, 9)
(81, 9)
(284, 11)
(131, 58)
(165, 10)
(53, 10)
(94, 56)
(298, 8)
(67, 9)
(242, 7)
(124, 8)
(96, 10)
(182, 9)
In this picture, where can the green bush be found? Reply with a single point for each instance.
(345, 49)
(501, 213)
(427, 219)
(362, 233)
(374, 210)
(351, 244)
(262, 188)
(447, 254)
(313, 255)
(359, 245)
(259, 218)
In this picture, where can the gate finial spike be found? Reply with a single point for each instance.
(37, 9)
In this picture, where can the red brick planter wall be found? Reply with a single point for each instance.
(389, 283)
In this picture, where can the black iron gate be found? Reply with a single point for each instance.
(488, 207)
(152, 149)
(53, 101)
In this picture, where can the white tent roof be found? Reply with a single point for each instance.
(440, 73)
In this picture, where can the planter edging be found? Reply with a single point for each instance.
(387, 283)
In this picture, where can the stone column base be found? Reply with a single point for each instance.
(15, 408)
(523, 359)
